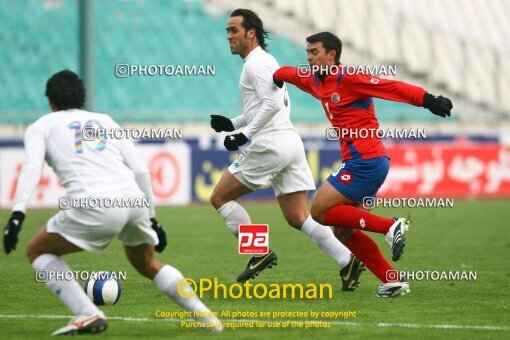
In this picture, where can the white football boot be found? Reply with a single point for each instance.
(393, 289)
(395, 237)
(81, 324)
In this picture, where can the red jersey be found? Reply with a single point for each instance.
(348, 104)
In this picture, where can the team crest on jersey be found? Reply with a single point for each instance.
(335, 97)
(345, 177)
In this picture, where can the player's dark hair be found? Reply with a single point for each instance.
(330, 42)
(65, 90)
(252, 21)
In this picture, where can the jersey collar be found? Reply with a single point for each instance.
(253, 52)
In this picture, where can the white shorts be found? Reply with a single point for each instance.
(277, 158)
(93, 229)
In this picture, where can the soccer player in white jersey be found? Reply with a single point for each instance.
(104, 168)
(276, 153)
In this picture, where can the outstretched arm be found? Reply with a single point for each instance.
(292, 75)
(398, 91)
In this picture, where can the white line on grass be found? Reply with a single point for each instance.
(336, 323)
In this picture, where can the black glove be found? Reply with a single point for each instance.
(161, 235)
(233, 142)
(438, 105)
(278, 83)
(221, 123)
(12, 230)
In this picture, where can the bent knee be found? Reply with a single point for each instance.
(149, 269)
(144, 270)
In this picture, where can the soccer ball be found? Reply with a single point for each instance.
(103, 288)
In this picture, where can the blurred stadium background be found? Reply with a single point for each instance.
(460, 50)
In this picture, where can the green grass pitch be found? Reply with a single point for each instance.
(472, 236)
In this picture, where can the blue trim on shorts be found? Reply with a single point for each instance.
(359, 178)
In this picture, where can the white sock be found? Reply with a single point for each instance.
(234, 215)
(323, 236)
(168, 280)
(68, 291)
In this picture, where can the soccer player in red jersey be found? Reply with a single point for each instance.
(348, 104)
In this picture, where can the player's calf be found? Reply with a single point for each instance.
(142, 259)
(296, 219)
(170, 281)
(293, 206)
(318, 213)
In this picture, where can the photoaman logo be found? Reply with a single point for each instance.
(187, 288)
(253, 239)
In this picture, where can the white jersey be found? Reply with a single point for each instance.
(266, 107)
(85, 168)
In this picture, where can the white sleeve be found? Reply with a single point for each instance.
(239, 122)
(142, 175)
(137, 165)
(262, 79)
(35, 150)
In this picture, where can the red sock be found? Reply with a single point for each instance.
(367, 251)
(347, 216)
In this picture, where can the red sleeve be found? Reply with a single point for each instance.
(289, 74)
(397, 91)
